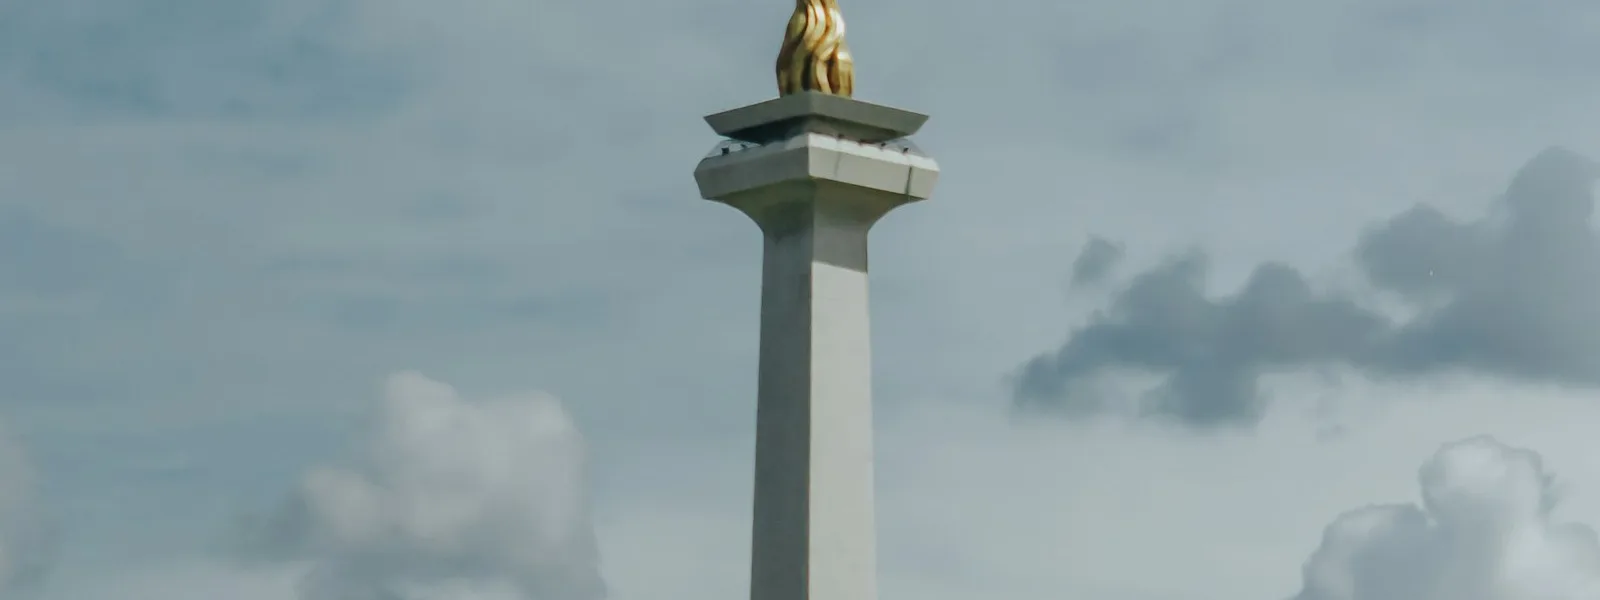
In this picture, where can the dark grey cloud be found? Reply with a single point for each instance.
(1096, 261)
(1211, 350)
(1516, 293)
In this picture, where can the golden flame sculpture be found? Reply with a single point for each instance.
(814, 56)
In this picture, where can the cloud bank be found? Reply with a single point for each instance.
(1482, 532)
(447, 495)
(1516, 293)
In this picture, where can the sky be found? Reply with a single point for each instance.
(405, 300)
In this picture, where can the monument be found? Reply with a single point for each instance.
(815, 168)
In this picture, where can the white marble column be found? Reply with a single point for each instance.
(815, 172)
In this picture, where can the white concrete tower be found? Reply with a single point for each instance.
(815, 169)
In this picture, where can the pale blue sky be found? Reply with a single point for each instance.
(223, 224)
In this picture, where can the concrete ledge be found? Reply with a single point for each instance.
(814, 157)
(815, 112)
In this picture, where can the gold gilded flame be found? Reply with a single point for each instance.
(814, 56)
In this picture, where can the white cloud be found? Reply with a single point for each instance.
(446, 494)
(1482, 532)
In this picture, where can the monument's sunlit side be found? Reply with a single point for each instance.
(815, 169)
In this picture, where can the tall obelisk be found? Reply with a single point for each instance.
(815, 169)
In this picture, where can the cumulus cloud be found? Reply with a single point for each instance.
(487, 499)
(1516, 293)
(1482, 532)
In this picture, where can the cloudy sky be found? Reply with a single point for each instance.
(407, 300)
